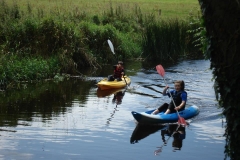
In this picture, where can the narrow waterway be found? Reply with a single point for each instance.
(72, 119)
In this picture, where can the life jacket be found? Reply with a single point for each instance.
(177, 98)
(117, 72)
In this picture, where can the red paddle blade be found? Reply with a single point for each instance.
(160, 70)
(182, 121)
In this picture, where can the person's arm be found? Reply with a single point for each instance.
(181, 105)
(165, 90)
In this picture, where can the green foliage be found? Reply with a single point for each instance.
(16, 69)
(199, 34)
(46, 38)
(96, 37)
(222, 26)
(130, 46)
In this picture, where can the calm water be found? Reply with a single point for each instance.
(73, 120)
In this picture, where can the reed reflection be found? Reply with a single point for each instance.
(44, 100)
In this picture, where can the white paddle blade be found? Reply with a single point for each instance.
(110, 45)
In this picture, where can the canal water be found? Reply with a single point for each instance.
(72, 119)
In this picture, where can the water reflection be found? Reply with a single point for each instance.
(142, 131)
(175, 131)
(117, 99)
(178, 133)
(107, 92)
(45, 100)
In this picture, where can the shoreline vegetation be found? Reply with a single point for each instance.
(48, 38)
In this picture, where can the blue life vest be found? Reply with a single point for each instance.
(177, 97)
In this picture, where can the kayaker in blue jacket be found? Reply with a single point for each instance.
(179, 96)
(117, 73)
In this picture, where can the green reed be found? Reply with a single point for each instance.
(168, 40)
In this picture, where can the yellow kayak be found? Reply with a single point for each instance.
(105, 84)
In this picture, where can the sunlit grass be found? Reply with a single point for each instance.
(162, 8)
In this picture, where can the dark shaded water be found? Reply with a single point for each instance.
(73, 120)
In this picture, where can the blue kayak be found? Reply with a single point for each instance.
(147, 117)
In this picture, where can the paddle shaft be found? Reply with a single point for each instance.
(171, 97)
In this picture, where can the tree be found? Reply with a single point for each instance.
(222, 22)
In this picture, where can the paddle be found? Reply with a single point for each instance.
(112, 49)
(161, 71)
(111, 46)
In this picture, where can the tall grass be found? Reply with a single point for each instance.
(167, 40)
(73, 39)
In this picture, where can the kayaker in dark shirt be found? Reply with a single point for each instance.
(117, 73)
(179, 96)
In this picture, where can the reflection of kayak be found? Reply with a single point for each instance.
(142, 131)
(108, 92)
(146, 117)
(105, 84)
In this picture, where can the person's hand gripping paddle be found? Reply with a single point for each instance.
(161, 71)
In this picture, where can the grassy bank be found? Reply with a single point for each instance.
(63, 37)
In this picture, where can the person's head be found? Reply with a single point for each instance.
(120, 64)
(179, 85)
